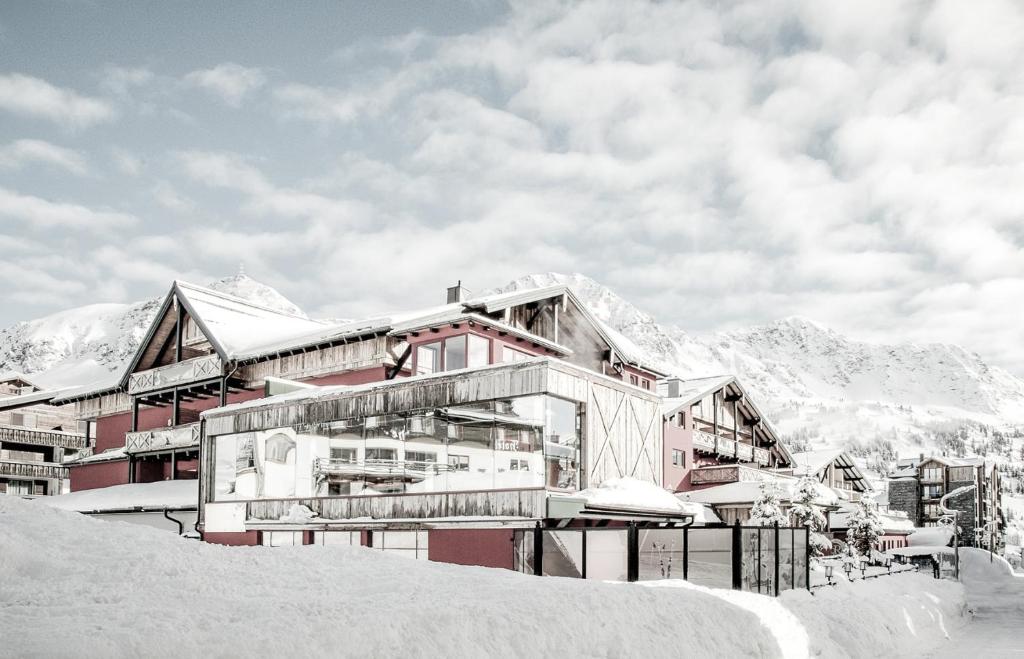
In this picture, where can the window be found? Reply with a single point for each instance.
(428, 358)
(932, 474)
(344, 455)
(388, 454)
(455, 353)
(479, 351)
(646, 384)
(420, 456)
(409, 544)
(678, 458)
(634, 380)
(960, 474)
(17, 419)
(513, 355)
(458, 462)
(681, 419)
(932, 491)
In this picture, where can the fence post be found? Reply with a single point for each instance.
(583, 541)
(686, 553)
(807, 559)
(632, 553)
(538, 551)
(776, 525)
(737, 557)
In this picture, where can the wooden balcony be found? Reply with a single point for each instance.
(185, 372)
(727, 448)
(33, 470)
(17, 434)
(144, 441)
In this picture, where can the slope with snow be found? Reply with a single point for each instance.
(81, 587)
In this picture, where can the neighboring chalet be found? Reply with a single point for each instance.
(918, 486)
(715, 434)
(35, 439)
(834, 468)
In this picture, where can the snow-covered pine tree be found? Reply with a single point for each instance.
(766, 509)
(803, 512)
(865, 527)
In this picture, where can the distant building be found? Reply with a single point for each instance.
(918, 485)
(35, 439)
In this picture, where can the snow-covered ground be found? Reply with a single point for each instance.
(995, 599)
(77, 586)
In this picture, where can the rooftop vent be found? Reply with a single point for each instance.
(457, 293)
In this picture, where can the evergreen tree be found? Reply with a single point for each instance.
(766, 509)
(865, 527)
(803, 512)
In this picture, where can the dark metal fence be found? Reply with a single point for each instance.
(760, 559)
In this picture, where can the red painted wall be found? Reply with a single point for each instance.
(484, 547)
(242, 539)
(676, 478)
(98, 474)
(375, 374)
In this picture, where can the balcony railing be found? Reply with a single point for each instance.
(33, 470)
(705, 441)
(190, 370)
(20, 435)
(183, 436)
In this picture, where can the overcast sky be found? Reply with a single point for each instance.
(720, 164)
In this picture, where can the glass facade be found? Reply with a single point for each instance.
(528, 441)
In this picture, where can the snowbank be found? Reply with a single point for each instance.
(175, 494)
(901, 615)
(75, 586)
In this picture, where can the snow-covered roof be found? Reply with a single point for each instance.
(173, 495)
(634, 494)
(892, 521)
(117, 453)
(746, 492)
(8, 376)
(236, 326)
(691, 391)
(814, 462)
(25, 400)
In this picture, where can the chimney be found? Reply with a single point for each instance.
(457, 293)
(669, 387)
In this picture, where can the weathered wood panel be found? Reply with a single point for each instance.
(336, 359)
(527, 503)
(520, 379)
(624, 435)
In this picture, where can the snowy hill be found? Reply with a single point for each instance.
(91, 343)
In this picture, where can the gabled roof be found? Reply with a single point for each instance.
(10, 376)
(696, 389)
(812, 463)
(691, 391)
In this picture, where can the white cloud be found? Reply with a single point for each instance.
(126, 161)
(34, 97)
(43, 214)
(121, 80)
(165, 195)
(231, 82)
(18, 153)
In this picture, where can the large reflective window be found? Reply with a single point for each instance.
(529, 441)
(454, 353)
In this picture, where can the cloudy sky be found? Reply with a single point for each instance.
(720, 164)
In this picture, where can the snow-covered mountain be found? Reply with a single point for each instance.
(823, 389)
(91, 343)
(819, 387)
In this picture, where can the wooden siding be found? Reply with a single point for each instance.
(105, 405)
(527, 503)
(624, 434)
(520, 379)
(345, 357)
